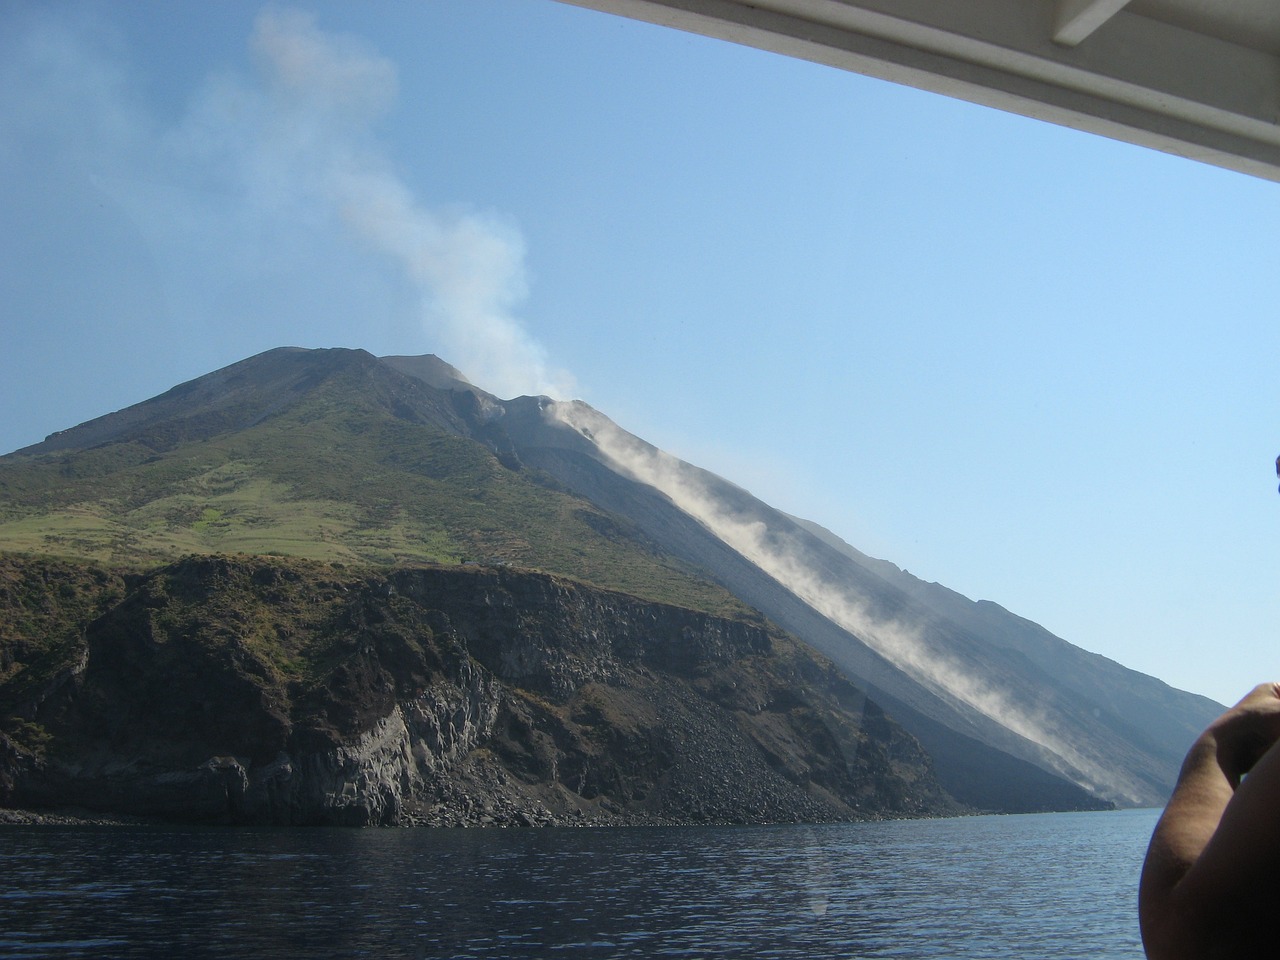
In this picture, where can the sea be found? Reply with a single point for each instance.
(1031, 887)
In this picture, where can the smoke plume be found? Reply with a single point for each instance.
(266, 200)
(323, 94)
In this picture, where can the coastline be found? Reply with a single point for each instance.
(70, 817)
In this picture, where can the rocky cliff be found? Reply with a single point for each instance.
(259, 690)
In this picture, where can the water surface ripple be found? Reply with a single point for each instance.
(1043, 887)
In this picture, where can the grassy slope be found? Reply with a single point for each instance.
(329, 479)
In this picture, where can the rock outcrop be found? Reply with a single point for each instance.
(259, 690)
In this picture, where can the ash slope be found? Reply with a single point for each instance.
(1039, 700)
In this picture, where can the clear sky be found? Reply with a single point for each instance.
(1031, 364)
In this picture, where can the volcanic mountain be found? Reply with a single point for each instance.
(340, 456)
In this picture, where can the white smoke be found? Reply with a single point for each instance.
(780, 557)
(323, 95)
(269, 201)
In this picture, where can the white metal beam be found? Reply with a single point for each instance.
(1078, 18)
(1140, 80)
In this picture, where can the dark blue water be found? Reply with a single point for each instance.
(1031, 887)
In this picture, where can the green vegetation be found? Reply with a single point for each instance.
(45, 606)
(285, 614)
(269, 629)
(334, 477)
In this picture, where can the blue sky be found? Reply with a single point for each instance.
(1029, 363)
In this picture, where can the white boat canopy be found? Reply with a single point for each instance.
(1196, 78)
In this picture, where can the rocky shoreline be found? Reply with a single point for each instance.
(73, 817)
(501, 816)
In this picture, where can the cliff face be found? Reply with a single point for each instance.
(255, 690)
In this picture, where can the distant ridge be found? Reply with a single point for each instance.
(233, 397)
(430, 369)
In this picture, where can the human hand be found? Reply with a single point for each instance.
(1247, 731)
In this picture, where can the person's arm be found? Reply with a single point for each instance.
(1212, 863)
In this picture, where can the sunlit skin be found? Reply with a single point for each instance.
(1210, 883)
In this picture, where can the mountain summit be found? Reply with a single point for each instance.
(336, 455)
